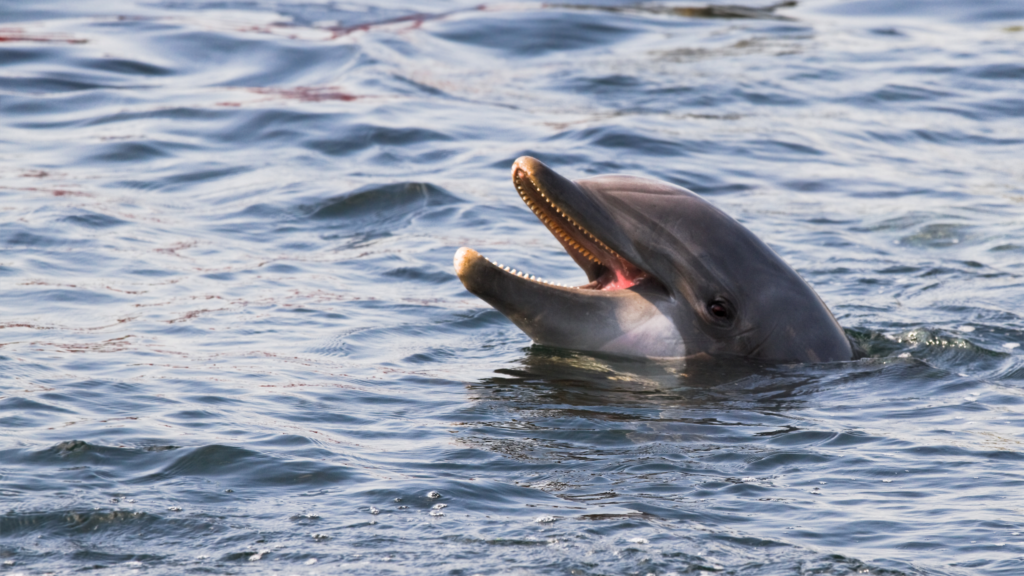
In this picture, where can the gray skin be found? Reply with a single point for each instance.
(671, 277)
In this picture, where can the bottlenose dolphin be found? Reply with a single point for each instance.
(671, 276)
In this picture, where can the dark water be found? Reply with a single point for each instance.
(231, 340)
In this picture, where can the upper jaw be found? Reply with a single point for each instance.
(576, 221)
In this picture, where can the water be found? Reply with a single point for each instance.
(231, 340)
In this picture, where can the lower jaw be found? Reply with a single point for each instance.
(609, 280)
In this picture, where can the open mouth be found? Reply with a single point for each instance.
(605, 269)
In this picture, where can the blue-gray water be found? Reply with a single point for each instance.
(231, 340)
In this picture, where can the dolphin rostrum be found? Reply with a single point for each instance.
(671, 276)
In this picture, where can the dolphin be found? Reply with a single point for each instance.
(670, 276)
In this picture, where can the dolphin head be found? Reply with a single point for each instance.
(669, 276)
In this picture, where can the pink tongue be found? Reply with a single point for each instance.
(619, 282)
(620, 278)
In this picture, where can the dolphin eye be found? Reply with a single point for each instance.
(718, 309)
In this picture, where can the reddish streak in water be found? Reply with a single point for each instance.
(300, 93)
(308, 93)
(54, 191)
(19, 35)
(416, 20)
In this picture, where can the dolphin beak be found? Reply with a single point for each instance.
(559, 203)
(621, 310)
(527, 301)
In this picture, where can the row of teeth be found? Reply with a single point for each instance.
(558, 229)
(527, 276)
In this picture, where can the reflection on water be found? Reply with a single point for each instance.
(231, 339)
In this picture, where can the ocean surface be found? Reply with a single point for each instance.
(232, 341)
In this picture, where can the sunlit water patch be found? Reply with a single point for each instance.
(231, 340)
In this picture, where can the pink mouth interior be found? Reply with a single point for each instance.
(618, 278)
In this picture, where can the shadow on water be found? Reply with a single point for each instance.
(587, 379)
(572, 378)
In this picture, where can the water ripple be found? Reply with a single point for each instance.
(231, 340)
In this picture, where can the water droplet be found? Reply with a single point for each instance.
(398, 499)
(310, 562)
(374, 511)
(439, 506)
(174, 508)
(639, 541)
(202, 557)
(436, 513)
(545, 519)
(433, 494)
